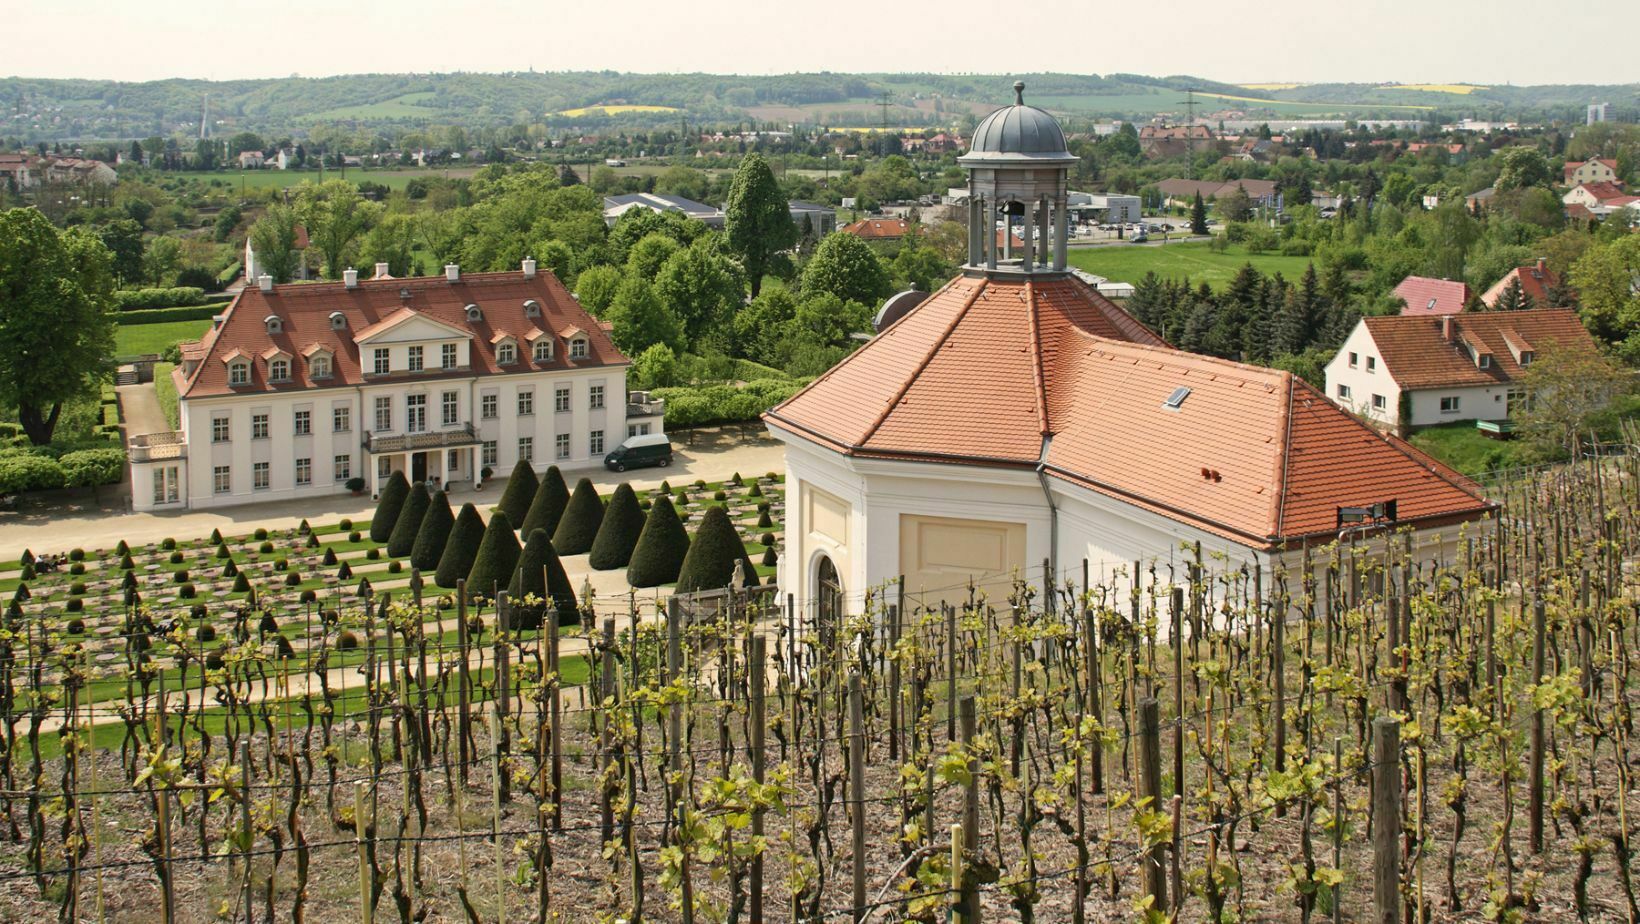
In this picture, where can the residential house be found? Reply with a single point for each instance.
(878, 229)
(1422, 295)
(18, 171)
(943, 143)
(79, 171)
(1158, 141)
(1181, 193)
(1594, 195)
(1535, 282)
(304, 268)
(1480, 199)
(297, 389)
(251, 160)
(1408, 370)
(1596, 170)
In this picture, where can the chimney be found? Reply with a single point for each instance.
(381, 271)
(452, 272)
(350, 278)
(1446, 327)
(264, 282)
(529, 267)
(1542, 266)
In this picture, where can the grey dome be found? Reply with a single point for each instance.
(1018, 133)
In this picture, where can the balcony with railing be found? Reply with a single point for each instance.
(156, 447)
(640, 404)
(441, 438)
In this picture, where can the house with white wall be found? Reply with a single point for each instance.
(298, 389)
(1016, 422)
(1409, 371)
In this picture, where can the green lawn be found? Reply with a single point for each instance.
(1464, 448)
(132, 339)
(166, 390)
(1130, 262)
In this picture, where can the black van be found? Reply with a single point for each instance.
(639, 451)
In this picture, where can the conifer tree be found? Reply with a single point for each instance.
(461, 548)
(434, 533)
(1198, 215)
(388, 503)
(618, 534)
(520, 491)
(540, 575)
(661, 547)
(497, 557)
(710, 562)
(403, 537)
(1514, 297)
(579, 525)
(551, 496)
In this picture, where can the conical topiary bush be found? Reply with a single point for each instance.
(618, 534)
(497, 557)
(551, 497)
(582, 517)
(520, 492)
(661, 547)
(403, 538)
(710, 564)
(435, 531)
(540, 574)
(461, 548)
(388, 504)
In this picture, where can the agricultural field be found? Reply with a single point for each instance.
(270, 178)
(1456, 89)
(1193, 259)
(408, 106)
(1449, 734)
(615, 109)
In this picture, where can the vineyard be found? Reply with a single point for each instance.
(1392, 729)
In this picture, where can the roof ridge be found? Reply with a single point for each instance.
(1286, 451)
(928, 357)
(1039, 379)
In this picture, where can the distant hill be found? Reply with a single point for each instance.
(35, 110)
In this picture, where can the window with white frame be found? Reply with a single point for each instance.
(1372, 364)
(447, 355)
(1355, 360)
(560, 398)
(526, 401)
(259, 426)
(578, 348)
(166, 485)
(1344, 392)
(382, 365)
(319, 368)
(304, 471)
(341, 418)
(415, 413)
(563, 445)
(452, 461)
(384, 413)
(221, 479)
(543, 350)
(488, 406)
(279, 370)
(595, 397)
(302, 423)
(259, 476)
(526, 449)
(384, 467)
(1449, 404)
(450, 408)
(1378, 403)
(414, 361)
(341, 468)
(220, 431)
(595, 442)
(491, 452)
(239, 373)
(637, 430)
(506, 354)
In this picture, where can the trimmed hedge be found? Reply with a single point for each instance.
(579, 525)
(693, 406)
(168, 315)
(461, 548)
(661, 547)
(551, 497)
(138, 299)
(433, 534)
(519, 493)
(389, 503)
(497, 557)
(710, 563)
(618, 535)
(408, 525)
(541, 574)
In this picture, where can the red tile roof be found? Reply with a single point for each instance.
(1535, 280)
(1417, 355)
(1603, 192)
(985, 369)
(878, 229)
(1424, 295)
(374, 305)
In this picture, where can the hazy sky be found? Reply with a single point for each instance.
(1425, 41)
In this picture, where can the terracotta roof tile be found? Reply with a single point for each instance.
(1424, 295)
(374, 305)
(1535, 280)
(1417, 355)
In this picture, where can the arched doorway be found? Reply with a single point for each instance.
(828, 596)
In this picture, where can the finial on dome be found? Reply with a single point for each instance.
(1019, 93)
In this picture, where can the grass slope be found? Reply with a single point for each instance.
(131, 339)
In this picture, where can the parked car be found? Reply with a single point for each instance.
(640, 451)
(1139, 238)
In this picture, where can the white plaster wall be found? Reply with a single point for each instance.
(1362, 383)
(1490, 402)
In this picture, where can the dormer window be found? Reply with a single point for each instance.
(474, 314)
(279, 370)
(532, 308)
(506, 354)
(578, 348)
(1526, 357)
(274, 323)
(319, 367)
(337, 320)
(239, 373)
(1484, 360)
(543, 350)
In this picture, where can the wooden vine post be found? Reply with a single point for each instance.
(857, 788)
(1535, 781)
(758, 679)
(968, 897)
(1150, 787)
(1386, 820)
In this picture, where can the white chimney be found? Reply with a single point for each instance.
(452, 272)
(529, 267)
(381, 272)
(264, 282)
(350, 278)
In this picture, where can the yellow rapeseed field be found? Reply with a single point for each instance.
(616, 110)
(1269, 87)
(1461, 89)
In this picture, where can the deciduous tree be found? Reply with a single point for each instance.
(757, 219)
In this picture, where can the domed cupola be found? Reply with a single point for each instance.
(1017, 169)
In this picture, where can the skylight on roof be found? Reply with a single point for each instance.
(1177, 398)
